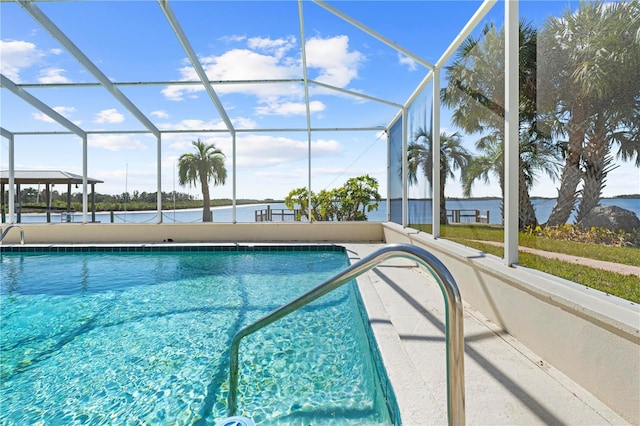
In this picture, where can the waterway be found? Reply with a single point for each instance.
(419, 212)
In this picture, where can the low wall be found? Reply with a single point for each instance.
(591, 337)
(86, 233)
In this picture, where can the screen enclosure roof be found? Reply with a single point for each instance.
(296, 76)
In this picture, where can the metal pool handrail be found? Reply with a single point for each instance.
(453, 325)
(8, 228)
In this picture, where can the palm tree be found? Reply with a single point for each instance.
(590, 83)
(534, 158)
(453, 156)
(489, 162)
(597, 161)
(205, 165)
(616, 120)
(475, 92)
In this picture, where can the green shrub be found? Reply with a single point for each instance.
(592, 235)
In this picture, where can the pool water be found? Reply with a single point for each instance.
(143, 338)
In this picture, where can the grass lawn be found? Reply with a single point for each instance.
(624, 286)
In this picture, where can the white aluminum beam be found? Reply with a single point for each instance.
(85, 171)
(468, 28)
(234, 169)
(159, 179)
(405, 169)
(427, 78)
(511, 131)
(56, 33)
(191, 54)
(305, 77)
(264, 130)
(213, 82)
(12, 173)
(413, 96)
(352, 93)
(374, 34)
(435, 140)
(38, 104)
(160, 83)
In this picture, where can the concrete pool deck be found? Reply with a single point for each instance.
(505, 382)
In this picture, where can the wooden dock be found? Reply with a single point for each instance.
(468, 216)
(277, 215)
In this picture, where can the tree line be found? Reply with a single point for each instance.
(32, 196)
(134, 201)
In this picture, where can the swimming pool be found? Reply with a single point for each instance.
(140, 335)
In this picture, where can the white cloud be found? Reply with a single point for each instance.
(16, 56)
(289, 174)
(239, 64)
(278, 46)
(160, 114)
(273, 59)
(233, 38)
(41, 116)
(116, 142)
(56, 51)
(335, 63)
(244, 64)
(169, 162)
(53, 75)
(405, 60)
(266, 43)
(176, 93)
(109, 116)
(62, 110)
(260, 151)
(290, 108)
(182, 141)
(195, 124)
(244, 123)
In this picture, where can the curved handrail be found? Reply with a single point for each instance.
(453, 325)
(8, 228)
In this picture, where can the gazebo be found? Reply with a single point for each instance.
(49, 178)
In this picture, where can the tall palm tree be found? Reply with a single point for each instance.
(534, 159)
(475, 92)
(489, 162)
(453, 156)
(597, 160)
(591, 84)
(203, 166)
(616, 120)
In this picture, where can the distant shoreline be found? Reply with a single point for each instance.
(616, 197)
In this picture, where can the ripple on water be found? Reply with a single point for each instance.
(158, 354)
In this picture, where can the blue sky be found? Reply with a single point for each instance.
(131, 41)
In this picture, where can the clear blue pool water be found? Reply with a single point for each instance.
(143, 338)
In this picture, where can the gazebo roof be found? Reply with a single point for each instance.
(44, 176)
